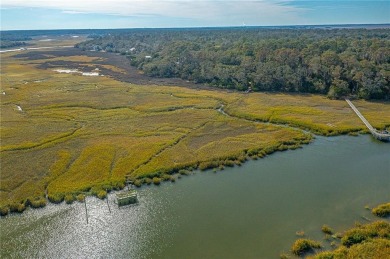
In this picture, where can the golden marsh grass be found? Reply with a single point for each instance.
(75, 134)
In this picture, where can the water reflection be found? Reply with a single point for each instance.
(251, 211)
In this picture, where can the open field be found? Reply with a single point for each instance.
(63, 134)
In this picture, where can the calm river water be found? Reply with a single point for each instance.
(252, 211)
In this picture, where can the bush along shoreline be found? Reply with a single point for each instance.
(370, 240)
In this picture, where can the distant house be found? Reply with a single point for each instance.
(132, 49)
(148, 57)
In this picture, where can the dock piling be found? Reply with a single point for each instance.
(86, 210)
(108, 205)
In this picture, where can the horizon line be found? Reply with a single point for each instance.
(209, 27)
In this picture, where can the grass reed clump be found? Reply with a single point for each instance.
(156, 180)
(166, 177)
(80, 197)
(56, 197)
(38, 202)
(138, 183)
(4, 210)
(366, 232)
(382, 210)
(69, 198)
(102, 194)
(326, 229)
(17, 207)
(302, 246)
(371, 240)
(184, 172)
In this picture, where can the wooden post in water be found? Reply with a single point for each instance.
(86, 210)
(108, 204)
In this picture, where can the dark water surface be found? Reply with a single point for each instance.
(252, 211)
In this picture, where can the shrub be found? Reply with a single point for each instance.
(108, 187)
(156, 180)
(355, 236)
(173, 179)
(203, 166)
(242, 158)
(282, 147)
(17, 207)
(148, 180)
(102, 194)
(208, 165)
(138, 183)
(363, 241)
(166, 177)
(118, 185)
(4, 210)
(69, 198)
(56, 197)
(184, 172)
(366, 232)
(302, 246)
(325, 255)
(39, 202)
(80, 197)
(375, 248)
(229, 163)
(382, 210)
(327, 230)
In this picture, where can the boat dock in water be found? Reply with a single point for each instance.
(126, 197)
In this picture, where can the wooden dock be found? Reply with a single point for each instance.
(383, 136)
(127, 197)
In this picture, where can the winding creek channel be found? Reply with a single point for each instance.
(251, 211)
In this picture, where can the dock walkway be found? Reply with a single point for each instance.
(378, 135)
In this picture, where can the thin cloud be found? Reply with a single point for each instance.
(74, 12)
(252, 12)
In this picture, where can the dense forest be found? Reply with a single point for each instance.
(334, 61)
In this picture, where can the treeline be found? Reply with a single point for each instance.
(336, 62)
(10, 44)
(10, 40)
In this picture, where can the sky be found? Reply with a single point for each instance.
(95, 14)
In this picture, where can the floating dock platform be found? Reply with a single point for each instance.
(126, 197)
